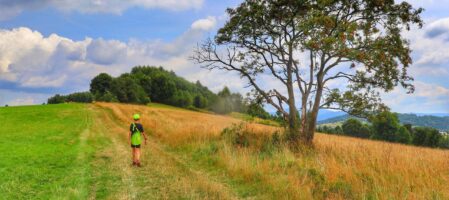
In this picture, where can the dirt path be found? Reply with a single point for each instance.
(163, 175)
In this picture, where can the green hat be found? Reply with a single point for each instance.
(136, 116)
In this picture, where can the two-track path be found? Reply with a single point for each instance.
(164, 175)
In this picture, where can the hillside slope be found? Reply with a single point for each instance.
(187, 158)
(440, 123)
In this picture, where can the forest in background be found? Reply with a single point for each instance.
(145, 84)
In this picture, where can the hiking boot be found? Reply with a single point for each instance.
(138, 164)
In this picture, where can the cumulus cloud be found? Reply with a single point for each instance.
(430, 46)
(205, 24)
(106, 52)
(10, 8)
(428, 97)
(30, 61)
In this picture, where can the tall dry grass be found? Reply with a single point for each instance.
(337, 168)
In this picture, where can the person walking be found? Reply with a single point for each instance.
(135, 139)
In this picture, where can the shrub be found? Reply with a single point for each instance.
(353, 127)
(56, 99)
(240, 135)
(236, 135)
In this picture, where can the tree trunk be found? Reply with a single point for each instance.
(293, 127)
(293, 120)
(312, 117)
(304, 118)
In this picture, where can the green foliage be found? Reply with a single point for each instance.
(155, 83)
(162, 88)
(357, 41)
(79, 97)
(146, 83)
(101, 84)
(56, 99)
(236, 135)
(107, 97)
(353, 127)
(425, 136)
(440, 123)
(128, 90)
(182, 99)
(255, 109)
(228, 102)
(200, 102)
(239, 136)
(337, 130)
(404, 136)
(385, 126)
(444, 142)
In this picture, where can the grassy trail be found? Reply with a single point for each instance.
(164, 175)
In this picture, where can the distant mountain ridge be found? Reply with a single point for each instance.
(440, 123)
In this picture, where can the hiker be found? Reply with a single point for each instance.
(135, 138)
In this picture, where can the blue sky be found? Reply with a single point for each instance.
(49, 47)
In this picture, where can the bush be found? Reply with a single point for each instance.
(425, 136)
(80, 97)
(56, 99)
(107, 97)
(385, 126)
(127, 90)
(182, 99)
(238, 135)
(404, 136)
(355, 128)
(444, 142)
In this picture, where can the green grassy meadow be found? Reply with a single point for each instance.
(45, 151)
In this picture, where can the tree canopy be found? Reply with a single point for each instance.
(146, 83)
(357, 41)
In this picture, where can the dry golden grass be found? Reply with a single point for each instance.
(338, 168)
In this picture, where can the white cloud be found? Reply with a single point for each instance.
(431, 91)
(106, 52)
(30, 61)
(430, 46)
(14, 98)
(10, 9)
(204, 24)
(22, 101)
(427, 98)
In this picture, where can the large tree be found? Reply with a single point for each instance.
(358, 41)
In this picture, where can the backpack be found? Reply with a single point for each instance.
(135, 135)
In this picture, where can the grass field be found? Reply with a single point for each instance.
(44, 151)
(74, 151)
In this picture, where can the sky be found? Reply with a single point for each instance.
(49, 47)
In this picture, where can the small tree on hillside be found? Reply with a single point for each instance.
(358, 41)
(354, 127)
(200, 101)
(100, 85)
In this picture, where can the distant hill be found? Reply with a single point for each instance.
(327, 114)
(440, 123)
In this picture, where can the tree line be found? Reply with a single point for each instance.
(385, 126)
(145, 84)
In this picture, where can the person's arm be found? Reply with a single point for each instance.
(129, 138)
(145, 137)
